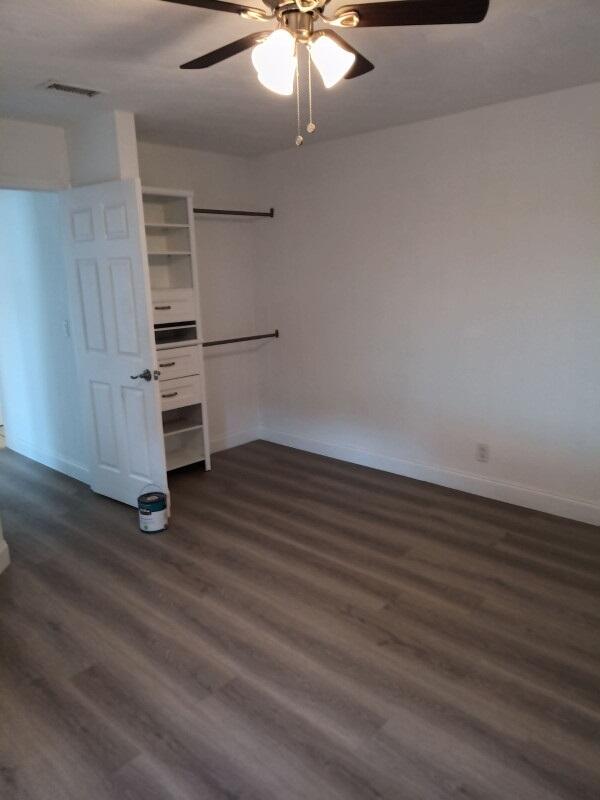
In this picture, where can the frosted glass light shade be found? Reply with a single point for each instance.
(332, 61)
(275, 62)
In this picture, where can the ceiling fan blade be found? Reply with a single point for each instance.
(216, 5)
(228, 50)
(361, 64)
(417, 12)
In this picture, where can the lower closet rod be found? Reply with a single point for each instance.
(229, 213)
(274, 335)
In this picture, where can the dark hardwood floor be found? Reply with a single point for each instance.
(306, 629)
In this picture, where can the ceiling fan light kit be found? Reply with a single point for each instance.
(332, 61)
(275, 54)
(275, 62)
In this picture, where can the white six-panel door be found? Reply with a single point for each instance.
(113, 332)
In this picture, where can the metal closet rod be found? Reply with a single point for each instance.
(231, 213)
(274, 335)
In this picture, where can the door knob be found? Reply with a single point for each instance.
(146, 375)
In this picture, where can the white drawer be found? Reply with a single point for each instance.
(179, 392)
(178, 362)
(173, 305)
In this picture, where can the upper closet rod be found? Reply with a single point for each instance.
(230, 213)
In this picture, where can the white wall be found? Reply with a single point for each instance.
(37, 364)
(438, 285)
(102, 147)
(226, 261)
(32, 156)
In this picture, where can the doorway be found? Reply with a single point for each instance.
(2, 437)
(39, 401)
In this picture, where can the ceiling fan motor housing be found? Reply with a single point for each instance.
(277, 6)
(299, 24)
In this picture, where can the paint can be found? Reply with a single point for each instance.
(152, 509)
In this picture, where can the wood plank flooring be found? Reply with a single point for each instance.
(306, 629)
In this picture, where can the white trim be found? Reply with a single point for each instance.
(229, 440)
(65, 465)
(4, 556)
(505, 491)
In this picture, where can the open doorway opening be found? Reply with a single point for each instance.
(2, 436)
(39, 400)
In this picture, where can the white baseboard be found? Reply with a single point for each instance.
(4, 555)
(229, 440)
(52, 460)
(514, 493)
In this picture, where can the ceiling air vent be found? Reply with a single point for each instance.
(63, 87)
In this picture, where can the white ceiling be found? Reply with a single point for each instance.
(131, 50)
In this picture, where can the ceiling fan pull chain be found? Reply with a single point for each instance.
(311, 127)
(299, 137)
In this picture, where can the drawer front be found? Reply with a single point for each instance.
(179, 392)
(176, 307)
(178, 362)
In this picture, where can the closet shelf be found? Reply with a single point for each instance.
(182, 458)
(180, 426)
(157, 226)
(172, 266)
(163, 253)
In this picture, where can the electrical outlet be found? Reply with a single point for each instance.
(483, 452)
(67, 327)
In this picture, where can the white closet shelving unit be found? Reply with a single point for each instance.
(171, 246)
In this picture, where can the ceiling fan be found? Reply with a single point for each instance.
(275, 54)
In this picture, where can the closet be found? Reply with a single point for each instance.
(134, 301)
(173, 270)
